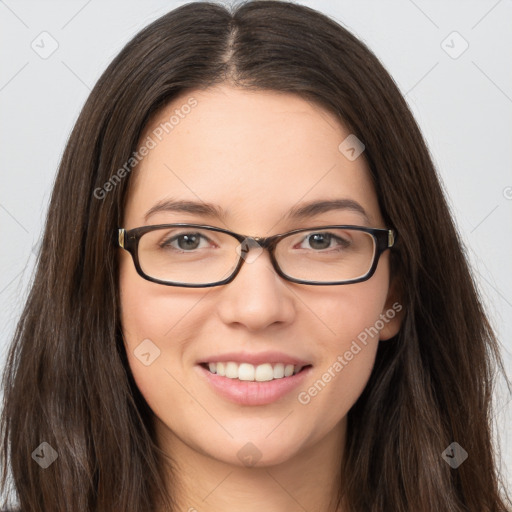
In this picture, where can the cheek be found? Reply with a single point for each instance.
(147, 319)
(153, 362)
(159, 325)
(348, 346)
(352, 312)
(338, 380)
(150, 310)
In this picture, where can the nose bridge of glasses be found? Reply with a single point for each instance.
(261, 242)
(258, 244)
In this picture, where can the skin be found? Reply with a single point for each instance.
(255, 154)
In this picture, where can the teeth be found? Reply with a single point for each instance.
(247, 372)
(261, 373)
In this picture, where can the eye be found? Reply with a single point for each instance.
(323, 240)
(185, 241)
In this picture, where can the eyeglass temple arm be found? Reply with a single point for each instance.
(391, 238)
(120, 238)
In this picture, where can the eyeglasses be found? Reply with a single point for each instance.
(194, 255)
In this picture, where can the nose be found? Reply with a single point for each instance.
(258, 296)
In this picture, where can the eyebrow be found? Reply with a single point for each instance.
(299, 212)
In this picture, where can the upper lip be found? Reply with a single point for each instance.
(255, 358)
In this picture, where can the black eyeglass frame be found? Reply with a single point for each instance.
(129, 241)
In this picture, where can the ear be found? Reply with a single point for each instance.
(393, 312)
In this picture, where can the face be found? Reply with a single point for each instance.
(256, 155)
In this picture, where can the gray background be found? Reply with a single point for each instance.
(462, 99)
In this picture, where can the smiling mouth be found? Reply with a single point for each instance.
(257, 373)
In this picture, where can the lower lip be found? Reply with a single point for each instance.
(252, 392)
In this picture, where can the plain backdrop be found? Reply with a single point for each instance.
(451, 60)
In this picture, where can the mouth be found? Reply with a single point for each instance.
(253, 385)
(253, 373)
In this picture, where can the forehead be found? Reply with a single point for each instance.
(256, 154)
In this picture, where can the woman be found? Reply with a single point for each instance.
(250, 293)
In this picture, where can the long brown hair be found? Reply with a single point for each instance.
(67, 381)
